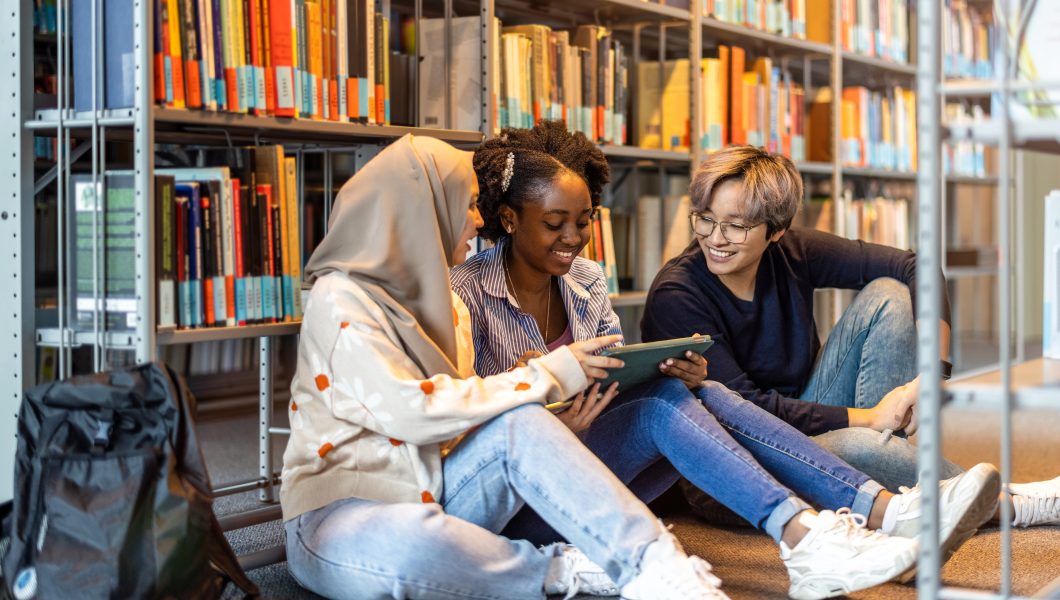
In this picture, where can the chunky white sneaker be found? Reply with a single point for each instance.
(839, 556)
(1036, 503)
(667, 573)
(967, 501)
(572, 573)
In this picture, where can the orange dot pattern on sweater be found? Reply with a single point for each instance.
(344, 325)
(394, 442)
(323, 450)
(522, 387)
(427, 387)
(294, 406)
(427, 497)
(322, 382)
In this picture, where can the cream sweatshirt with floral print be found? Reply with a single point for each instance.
(366, 423)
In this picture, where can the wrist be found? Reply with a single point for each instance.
(860, 417)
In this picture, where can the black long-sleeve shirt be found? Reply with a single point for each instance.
(765, 349)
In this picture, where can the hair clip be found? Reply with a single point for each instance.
(509, 170)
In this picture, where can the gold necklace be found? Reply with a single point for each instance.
(548, 305)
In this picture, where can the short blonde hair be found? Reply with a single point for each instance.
(772, 186)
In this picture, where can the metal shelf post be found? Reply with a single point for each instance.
(16, 227)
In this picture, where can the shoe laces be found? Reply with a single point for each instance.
(852, 526)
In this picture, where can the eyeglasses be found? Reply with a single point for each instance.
(733, 232)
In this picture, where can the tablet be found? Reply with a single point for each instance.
(642, 360)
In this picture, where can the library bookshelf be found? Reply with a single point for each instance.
(653, 32)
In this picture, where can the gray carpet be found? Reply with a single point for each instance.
(746, 560)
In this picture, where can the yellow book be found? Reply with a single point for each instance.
(315, 52)
(291, 241)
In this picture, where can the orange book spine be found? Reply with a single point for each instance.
(353, 90)
(316, 56)
(737, 127)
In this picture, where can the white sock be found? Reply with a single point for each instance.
(890, 516)
(807, 519)
(554, 579)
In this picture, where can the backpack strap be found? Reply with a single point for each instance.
(223, 558)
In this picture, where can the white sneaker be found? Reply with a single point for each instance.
(667, 573)
(1036, 503)
(967, 501)
(839, 556)
(572, 573)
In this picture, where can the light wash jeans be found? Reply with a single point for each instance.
(760, 467)
(362, 549)
(871, 351)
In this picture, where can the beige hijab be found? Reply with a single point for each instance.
(392, 230)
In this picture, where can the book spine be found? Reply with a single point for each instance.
(240, 273)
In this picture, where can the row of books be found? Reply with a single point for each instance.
(879, 28)
(44, 16)
(966, 157)
(601, 247)
(877, 128)
(968, 40)
(661, 232)
(758, 104)
(872, 27)
(579, 76)
(880, 219)
(782, 17)
(227, 250)
(320, 59)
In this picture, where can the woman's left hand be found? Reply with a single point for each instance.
(691, 372)
(587, 406)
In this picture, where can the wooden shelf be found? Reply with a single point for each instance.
(167, 337)
(870, 172)
(720, 31)
(182, 125)
(602, 11)
(638, 153)
(633, 298)
(889, 67)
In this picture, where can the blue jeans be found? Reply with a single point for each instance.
(363, 549)
(871, 351)
(749, 460)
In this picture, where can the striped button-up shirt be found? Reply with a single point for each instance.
(502, 333)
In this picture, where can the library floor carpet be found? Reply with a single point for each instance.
(745, 559)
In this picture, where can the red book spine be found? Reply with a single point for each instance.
(280, 47)
(207, 279)
(254, 41)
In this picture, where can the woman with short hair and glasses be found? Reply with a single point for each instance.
(748, 280)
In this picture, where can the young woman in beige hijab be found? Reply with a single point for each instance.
(402, 466)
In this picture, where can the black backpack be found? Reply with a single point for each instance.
(112, 499)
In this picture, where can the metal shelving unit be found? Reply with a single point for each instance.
(146, 124)
(1014, 383)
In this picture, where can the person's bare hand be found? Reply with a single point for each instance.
(897, 410)
(691, 372)
(526, 358)
(587, 406)
(595, 367)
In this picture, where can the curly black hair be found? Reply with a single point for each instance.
(541, 154)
